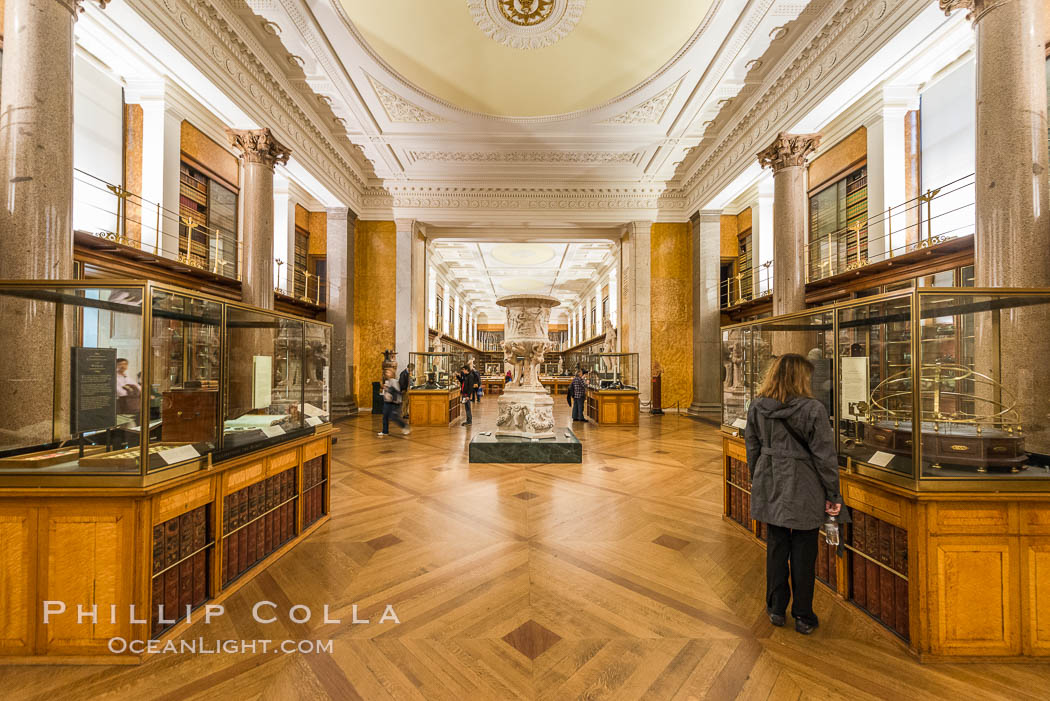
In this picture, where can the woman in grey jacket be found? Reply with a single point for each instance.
(794, 482)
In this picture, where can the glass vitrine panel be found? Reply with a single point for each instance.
(811, 336)
(736, 387)
(185, 374)
(611, 371)
(264, 365)
(316, 371)
(434, 371)
(875, 384)
(983, 394)
(71, 379)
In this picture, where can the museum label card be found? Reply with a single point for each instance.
(174, 455)
(881, 458)
(262, 381)
(272, 431)
(739, 423)
(314, 421)
(310, 410)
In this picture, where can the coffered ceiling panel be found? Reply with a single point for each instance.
(486, 271)
(442, 49)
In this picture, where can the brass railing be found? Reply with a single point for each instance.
(935, 216)
(743, 287)
(114, 213)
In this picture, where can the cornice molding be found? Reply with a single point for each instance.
(210, 30)
(526, 156)
(769, 111)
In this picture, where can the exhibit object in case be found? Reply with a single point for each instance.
(172, 445)
(942, 436)
(612, 388)
(433, 393)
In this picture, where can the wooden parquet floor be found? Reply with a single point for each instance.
(614, 579)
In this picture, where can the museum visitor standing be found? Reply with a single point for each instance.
(468, 382)
(578, 392)
(392, 403)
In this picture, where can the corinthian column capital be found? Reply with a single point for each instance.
(972, 7)
(75, 7)
(788, 150)
(258, 146)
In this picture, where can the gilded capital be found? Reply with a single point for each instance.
(75, 7)
(971, 7)
(258, 146)
(788, 150)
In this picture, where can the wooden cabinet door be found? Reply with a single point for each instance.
(974, 595)
(1035, 594)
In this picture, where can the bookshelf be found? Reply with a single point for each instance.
(834, 245)
(207, 223)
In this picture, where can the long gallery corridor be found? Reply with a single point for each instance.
(616, 578)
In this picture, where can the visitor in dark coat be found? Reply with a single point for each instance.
(794, 483)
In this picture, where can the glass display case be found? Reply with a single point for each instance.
(134, 382)
(749, 349)
(611, 371)
(928, 388)
(435, 371)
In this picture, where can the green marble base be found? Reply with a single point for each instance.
(565, 447)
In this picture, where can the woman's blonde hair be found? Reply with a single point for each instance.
(789, 376)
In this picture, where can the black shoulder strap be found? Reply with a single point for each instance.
(794, 434)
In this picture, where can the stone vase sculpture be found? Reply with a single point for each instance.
(526, 408)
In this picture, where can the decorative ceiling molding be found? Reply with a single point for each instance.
(526, 24)
(649, 112)
(526, 156)
(607, 203)
(407, 85)
(211, 35)
(398, 109)
(841, 42)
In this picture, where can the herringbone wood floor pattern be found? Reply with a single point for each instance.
(612, 579)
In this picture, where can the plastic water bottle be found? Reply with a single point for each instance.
(831, 531)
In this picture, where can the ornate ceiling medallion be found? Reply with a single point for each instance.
(526, 24)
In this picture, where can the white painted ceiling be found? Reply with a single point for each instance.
(439, 109)
(486, 271)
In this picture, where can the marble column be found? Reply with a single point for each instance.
(419, 290)
(340, 310)
(786, 156)
(707, 348)
(260, 152)
(1013, 225)
(637, 280)
(36, 139)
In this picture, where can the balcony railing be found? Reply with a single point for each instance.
(112, 212)
(743, 288)
(937, 215)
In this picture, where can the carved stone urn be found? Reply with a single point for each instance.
(526, 408)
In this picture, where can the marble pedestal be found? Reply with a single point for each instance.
(563, 447)
(525, 413)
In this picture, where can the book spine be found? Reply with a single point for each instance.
(200, 578)
(158, 547)
(200, 528)
(887, 586)
(234, 560)
(171, 594)
(185, 587)
(157, 598)
(225, 576)
(885, 553)
(242, 550)
(901, 623)
(171, 542)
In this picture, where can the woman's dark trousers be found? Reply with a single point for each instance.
(784, 547)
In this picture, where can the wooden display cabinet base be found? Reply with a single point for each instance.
(115, 548)
(613, 407)
(433, 407)
(960, 576)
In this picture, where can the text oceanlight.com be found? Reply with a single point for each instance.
(200, 646)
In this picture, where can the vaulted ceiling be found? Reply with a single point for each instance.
(447, 98)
